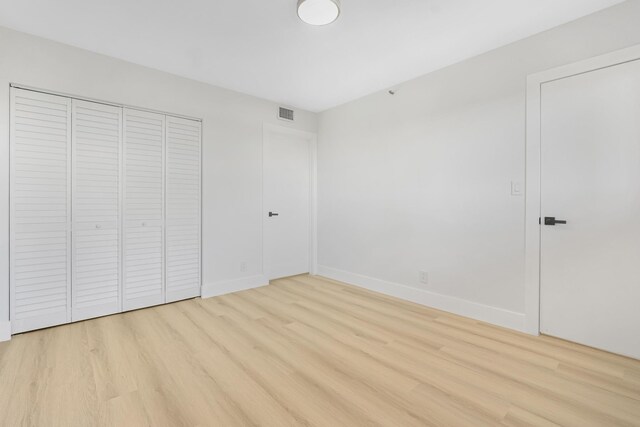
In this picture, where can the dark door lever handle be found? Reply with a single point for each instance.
(273, 214)
(551, 220)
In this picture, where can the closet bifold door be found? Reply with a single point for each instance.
(40, 144)
(97, 150)
(143, 209)
(183, 208)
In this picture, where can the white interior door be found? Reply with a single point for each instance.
(97, 150)
(286, 204)
(183, 209)
(143, 246)
(40, 278)
(590, 266)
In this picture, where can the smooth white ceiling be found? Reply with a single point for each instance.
(260, 47)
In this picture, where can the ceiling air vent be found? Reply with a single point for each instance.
(285, 114)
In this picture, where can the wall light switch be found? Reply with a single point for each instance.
(517, 188)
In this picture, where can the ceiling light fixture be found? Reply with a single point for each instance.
(318, 12)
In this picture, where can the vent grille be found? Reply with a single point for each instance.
(285, 114)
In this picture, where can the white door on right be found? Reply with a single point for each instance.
(286, 199)
(590, 178)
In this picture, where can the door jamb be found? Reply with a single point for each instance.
(312, 138)
(533, 168)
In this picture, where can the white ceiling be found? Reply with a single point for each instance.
(260, 47)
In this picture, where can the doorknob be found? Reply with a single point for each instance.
(273, 214)
(551, 220)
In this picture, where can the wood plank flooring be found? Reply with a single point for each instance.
(307, 351)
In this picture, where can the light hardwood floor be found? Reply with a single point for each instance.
(307, 351)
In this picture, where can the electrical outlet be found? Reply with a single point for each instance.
(243, 266)
(423, 276)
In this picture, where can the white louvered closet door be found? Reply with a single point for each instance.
(183, 209)
(143, 209)
(40, 278)
(97, 148)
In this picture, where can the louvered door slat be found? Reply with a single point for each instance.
(40, 210)
(97, 146)
(143, 209)
(183, 209)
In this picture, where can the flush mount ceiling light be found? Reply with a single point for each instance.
(318, 12)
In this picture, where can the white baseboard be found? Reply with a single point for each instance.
(485, 313)
(5, 330)
(230, 286)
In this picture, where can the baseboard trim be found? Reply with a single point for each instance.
(485, 313)
(5, 331)
(224, 287)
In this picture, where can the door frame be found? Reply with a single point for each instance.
(533, 195)
(312, 139)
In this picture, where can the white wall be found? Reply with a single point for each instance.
(422, 180)
(232, 144)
